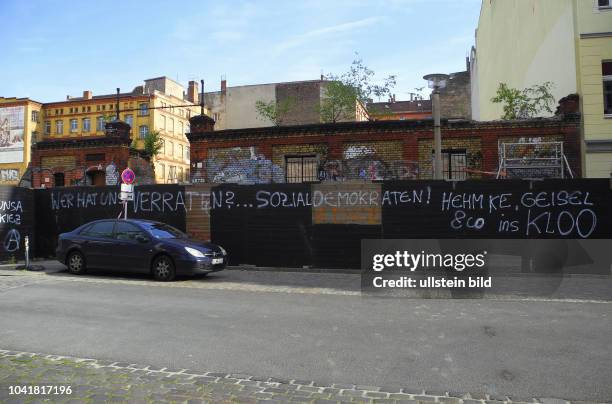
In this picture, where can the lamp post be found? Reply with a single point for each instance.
(436, 82)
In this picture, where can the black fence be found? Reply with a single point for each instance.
(320, 225)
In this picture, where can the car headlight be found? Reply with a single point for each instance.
(194, 252)
(223, 250)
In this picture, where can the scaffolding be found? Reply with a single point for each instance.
(533, 160)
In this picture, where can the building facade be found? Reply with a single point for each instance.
(235, 107)
(565, 42)
(393, 110)
(20, 122)
(161, 104)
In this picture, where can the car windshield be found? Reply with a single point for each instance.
(161, 230)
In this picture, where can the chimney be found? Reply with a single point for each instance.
(192, 92)
(87, 94)
(223, 86)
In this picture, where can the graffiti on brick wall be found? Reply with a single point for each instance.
(237, 165)
(367, 169)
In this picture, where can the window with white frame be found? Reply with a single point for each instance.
(59, 127)
(47, 127)
(129, 119)
(86, 124)
(604, 3)
(143, 130)
(100, 124)
(74, 125)
(606, 72)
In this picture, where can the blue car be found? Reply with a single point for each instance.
(139, 246)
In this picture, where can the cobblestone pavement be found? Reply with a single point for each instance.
(93, 381)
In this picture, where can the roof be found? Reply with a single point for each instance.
(269, 84)
(83, 141)
(399, 106)
(380, 126)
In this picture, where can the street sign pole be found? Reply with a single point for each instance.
(127, 189)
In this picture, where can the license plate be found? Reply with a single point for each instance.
(216, 261)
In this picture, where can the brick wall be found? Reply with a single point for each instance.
(455, 98)
(379, 150)
(74, 162)
(304, 99)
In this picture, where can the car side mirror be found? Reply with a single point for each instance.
(142, 239)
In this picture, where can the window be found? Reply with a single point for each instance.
(129, 119)
(143, 109)
(181, 128)
(86, 124)
(143, 130)
(162, 171)
(187, 156)
(104, 107)
(301, 168)
(171, 125)
(47, 127)
(454, 164)
(58, 179)
(161, 230)
(128, 231)
(59, 127)
(99, 230)
(100, 124)
(606, 71)
(180, 151)
(34, 116)
(604, 3)
(170, 149)
(180, 174)
(171, 174)
(163, 122)
(74, 125)
(163, 147)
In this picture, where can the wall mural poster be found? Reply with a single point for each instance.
(11, 134)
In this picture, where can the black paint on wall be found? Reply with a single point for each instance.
(60, 210)
(278, 236)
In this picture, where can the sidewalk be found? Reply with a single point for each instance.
(96, 382)
(572, 287)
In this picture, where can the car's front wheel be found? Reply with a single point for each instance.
(76, 263)
(163, 269)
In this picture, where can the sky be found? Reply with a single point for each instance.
(51, 49)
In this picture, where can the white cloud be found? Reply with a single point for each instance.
(322, 32)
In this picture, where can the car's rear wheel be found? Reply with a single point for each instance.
(163, 269)
(76, 263)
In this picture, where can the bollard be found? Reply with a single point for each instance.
(27, 253)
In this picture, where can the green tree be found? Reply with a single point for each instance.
(274, 111)
(343, 91)
(153, 143)
(527, 103)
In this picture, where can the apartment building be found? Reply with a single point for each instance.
(20, 121)
(565, 42)
(161, 104)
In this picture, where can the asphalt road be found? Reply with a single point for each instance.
(521, 348)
